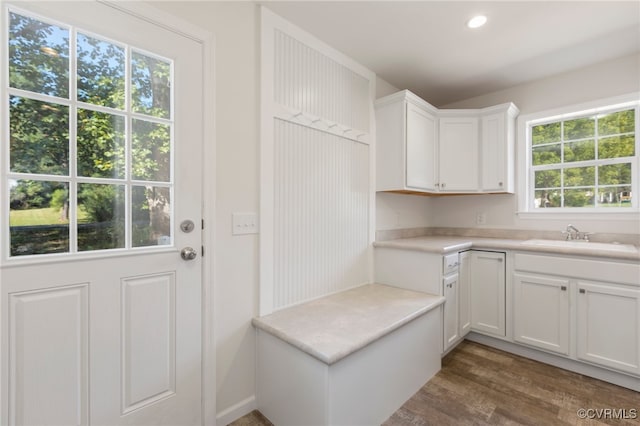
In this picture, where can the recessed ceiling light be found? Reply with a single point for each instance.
(477, 21)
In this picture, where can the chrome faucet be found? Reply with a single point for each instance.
(572, 233)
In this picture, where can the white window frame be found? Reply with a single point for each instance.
(526, 209)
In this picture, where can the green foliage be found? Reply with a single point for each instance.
(39, 59)
(546, 133)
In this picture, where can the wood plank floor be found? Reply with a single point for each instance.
(479, 385)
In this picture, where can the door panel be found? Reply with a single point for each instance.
(111, 337)
(52, 322)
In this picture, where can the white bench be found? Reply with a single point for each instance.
(352, 358)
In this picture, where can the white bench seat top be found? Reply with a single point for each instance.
(332, 327)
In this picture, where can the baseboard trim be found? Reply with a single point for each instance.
(599, 373)
(236, 411)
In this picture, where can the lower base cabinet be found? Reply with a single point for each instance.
(541, 312)
(488, 313)
(608, 325)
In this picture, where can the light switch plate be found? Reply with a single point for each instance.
(245, 223)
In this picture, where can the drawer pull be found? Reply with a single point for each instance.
(583, 291)
(563, 288)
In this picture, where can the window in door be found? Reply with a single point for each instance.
(87, 151)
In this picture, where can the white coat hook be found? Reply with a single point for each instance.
(298, 114)
(333, 125)
(345, 131)
(316, 120)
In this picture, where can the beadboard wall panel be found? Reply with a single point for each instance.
(321, 213)
(317, 194)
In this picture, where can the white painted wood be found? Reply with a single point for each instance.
(321, 209)
(409, 269)
(54, 388)
(406, 145)
(148, 340)
(103, 272)
(608, 325)
(497, 163)
(488, 293)
(464, 293)
(541, 312)
(623, 272)
(458, 147)
(421, 149)
(316, 167)
(451, 322)
(364, 388)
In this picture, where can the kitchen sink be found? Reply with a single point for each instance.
(579, 244)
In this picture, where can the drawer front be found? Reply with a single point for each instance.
(591, 269)
(450, 264)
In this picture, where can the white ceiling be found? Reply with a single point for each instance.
(425, 46)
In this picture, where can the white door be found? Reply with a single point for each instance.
(100, 316)
(421, 149)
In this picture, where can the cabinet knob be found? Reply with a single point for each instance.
(563, 288)
(500, 183)
(582, 290)
(443, 185)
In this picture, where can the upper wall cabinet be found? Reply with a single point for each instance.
(421, 149)
(458, 159)
(406, 144)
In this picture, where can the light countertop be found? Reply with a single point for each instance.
(332, 327)
(449, 244)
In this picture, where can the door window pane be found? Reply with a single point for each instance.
(100, 72)
(38, 217)
(151, 216)
(101, 216)
(39, 137)
(118, 183)
(151, 151)
(615, 196)
(151, 85)
(101, 144)
(38, 56)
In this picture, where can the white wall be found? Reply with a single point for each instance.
(234, 25)
(617, 77)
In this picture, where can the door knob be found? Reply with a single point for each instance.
(188, 253)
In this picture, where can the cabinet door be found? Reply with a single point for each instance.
(421, 149)
(541, 312)
(488, 293)
(608, 325)
(494, 153)
(450, 292)
(458, 149)
(464, 293)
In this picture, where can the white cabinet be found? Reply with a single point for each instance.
(464, 293)
(451, 319)
(608, 325)
(488, 308)
(541, 312)
(421, 149)
(498, 149)
(458, 154)
(406, 144)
